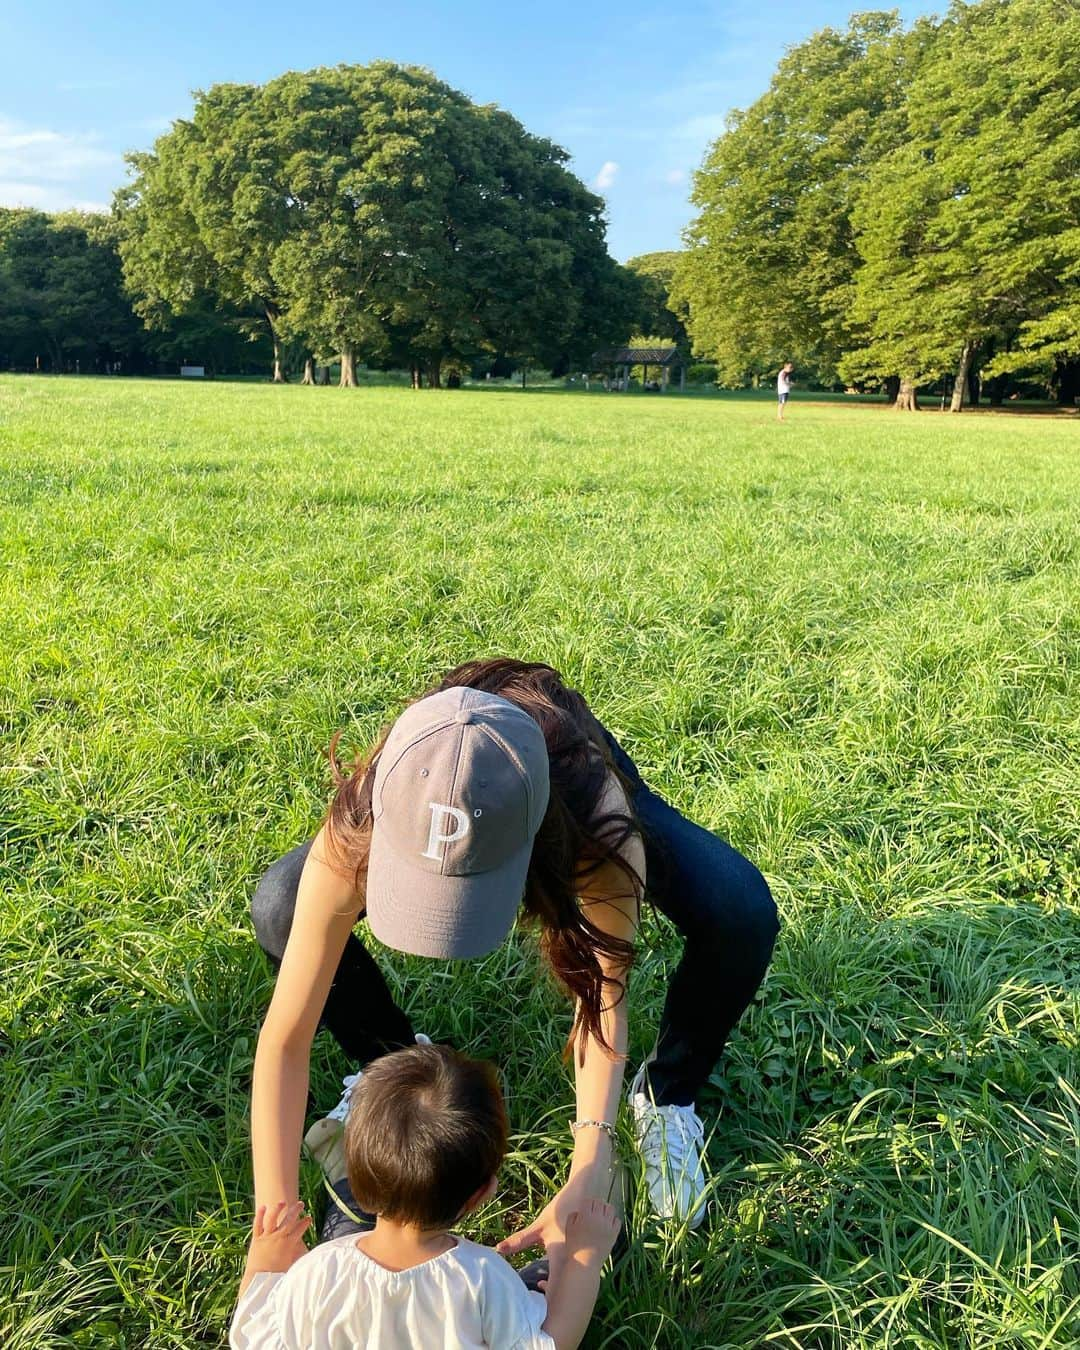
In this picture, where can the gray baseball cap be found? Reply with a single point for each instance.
(460, 789)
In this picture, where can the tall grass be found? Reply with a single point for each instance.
(849, 643)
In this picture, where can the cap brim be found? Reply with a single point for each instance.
(455, 918)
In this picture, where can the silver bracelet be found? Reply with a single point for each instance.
(604, 1125)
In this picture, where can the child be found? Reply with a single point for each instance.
(783, 388)
(425, 1138)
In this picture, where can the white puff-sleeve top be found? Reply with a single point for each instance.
(338, 1298)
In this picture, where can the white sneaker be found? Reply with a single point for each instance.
(325, 1141)
(670, 1140)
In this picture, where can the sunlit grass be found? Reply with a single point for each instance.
(850, 644)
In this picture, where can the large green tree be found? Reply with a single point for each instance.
(374, 213)
(900, 206)
(434, 229)
(1031, 58)
(969, 228)
(771, 253)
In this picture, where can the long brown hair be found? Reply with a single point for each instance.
(575, 838)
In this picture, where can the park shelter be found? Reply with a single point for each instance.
(619, 361)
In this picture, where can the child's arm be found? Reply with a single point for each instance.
(571, 1294)
(277, 1241)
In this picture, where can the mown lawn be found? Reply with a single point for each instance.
(850, 644)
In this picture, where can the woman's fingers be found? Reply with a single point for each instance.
(257, 1228)
(520, 1241)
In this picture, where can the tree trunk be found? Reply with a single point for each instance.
(416, 377)
(523, 372)
(309, 370)
(995, 390)
(906, 397)
(960, 391)
(323, 375)
(892, 387)
(434, 374)
(1067, 381)
(348, 370)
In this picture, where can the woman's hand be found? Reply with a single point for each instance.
(548, 1229)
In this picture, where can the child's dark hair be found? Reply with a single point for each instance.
(426, 1131)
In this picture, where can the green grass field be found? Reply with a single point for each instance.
(850, 644)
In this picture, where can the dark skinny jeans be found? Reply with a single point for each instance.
(716, 899)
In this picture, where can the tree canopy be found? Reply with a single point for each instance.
(655, 273)
(901, 204)
(61, 291)
(373, 212)
(63, 306)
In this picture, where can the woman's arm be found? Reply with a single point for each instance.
(277, 1242)
(598, 1071)
(327, 907)
(612, 902)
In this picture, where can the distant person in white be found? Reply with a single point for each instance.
(425, 1138)
(783, 388)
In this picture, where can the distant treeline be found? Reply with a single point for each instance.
(901, 206)
(900, 211)
(356, 214)
(63, 307)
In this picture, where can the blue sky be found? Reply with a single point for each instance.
(634, 92)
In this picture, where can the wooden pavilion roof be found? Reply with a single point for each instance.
(638, 356)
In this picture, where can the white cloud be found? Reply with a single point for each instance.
(53, 170)
(606, 177)
(36, 153)
(675, 176)
(13, 193)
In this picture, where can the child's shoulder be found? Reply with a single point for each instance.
(336, 1249)
(477, 1254)
(326, 1260)
(339, 1259)
(512, 1314)
(488, 1262)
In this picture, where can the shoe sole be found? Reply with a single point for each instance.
(325, 1143)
